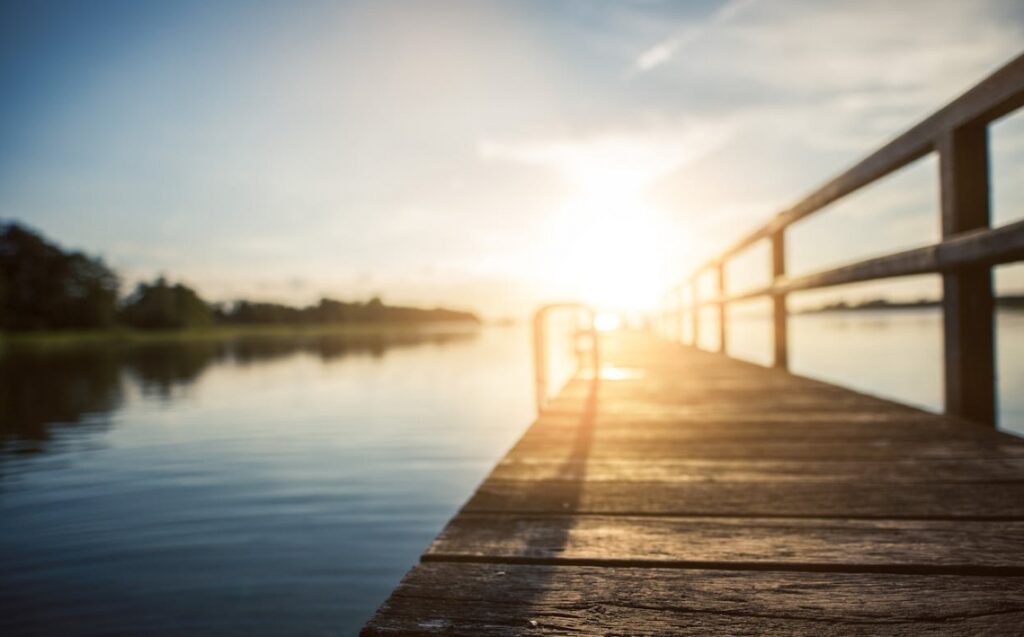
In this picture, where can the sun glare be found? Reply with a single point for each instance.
(607, 322)
(611, 244)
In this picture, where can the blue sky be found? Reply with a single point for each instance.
(478, 154)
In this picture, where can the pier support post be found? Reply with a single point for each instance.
(967, 300)
(720, 270)
(780, 316)
(695, 311)
(679, 313)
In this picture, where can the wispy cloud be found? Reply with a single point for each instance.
(663, 51)
(380, 137)
(636, 157)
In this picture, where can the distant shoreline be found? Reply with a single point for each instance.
(1008, 302)
(44, 287)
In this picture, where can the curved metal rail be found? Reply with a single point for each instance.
(580, 333)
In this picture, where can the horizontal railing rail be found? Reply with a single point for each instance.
(969, 249)
(588, 330)
(975, 248)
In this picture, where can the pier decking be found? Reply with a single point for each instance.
(680, 492)
(686, 493)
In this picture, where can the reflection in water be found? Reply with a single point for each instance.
(244, 486)
(269, 486)
(48, 386)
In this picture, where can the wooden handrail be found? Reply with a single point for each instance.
(958, 132)
(997, 95)
(977, 248)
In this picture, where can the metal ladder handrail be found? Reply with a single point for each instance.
(540, 345)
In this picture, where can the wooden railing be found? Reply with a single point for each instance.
(581, 331)
(969, 248)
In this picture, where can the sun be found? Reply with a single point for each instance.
(607, 322)
(612, 245)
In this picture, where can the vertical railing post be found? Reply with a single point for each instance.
(666, 320)
(595, 343)
(670, 330)
(967, 303)
(663, 321)
(780, 316)
(695, 310)
(720, 271)
(540, 363)
(679, 313)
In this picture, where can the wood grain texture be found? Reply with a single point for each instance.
(741, 543)
(688, 431)
(766, 448)
(684, 493)
(506, 600)
(675, 492)
(879, 472)
(967, 500)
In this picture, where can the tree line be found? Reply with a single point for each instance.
(44, 287)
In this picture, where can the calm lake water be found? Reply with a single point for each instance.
(274, 486)
(895, 354)
(268, 486)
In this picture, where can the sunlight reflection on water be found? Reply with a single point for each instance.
(284, 486)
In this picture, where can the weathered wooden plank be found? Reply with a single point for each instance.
(752, 431)
(650, 387)
(874, 499)
(791, 402)
(821, 511)
(689, 470)
(730, 414)
(771, 450)
(737, 543)
(627, 399)
(650, 377)
(720, 408)
(512, 600)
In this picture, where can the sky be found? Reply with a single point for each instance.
(483, 155)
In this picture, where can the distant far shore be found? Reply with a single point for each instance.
(45, 288)
(219, 332)
(1011, 302)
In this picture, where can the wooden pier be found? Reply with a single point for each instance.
(686, 493)
(679, 492)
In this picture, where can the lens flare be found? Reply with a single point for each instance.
(607, 322)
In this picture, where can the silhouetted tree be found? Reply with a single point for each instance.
(248, 312)
(43, 287)
(159, 305)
